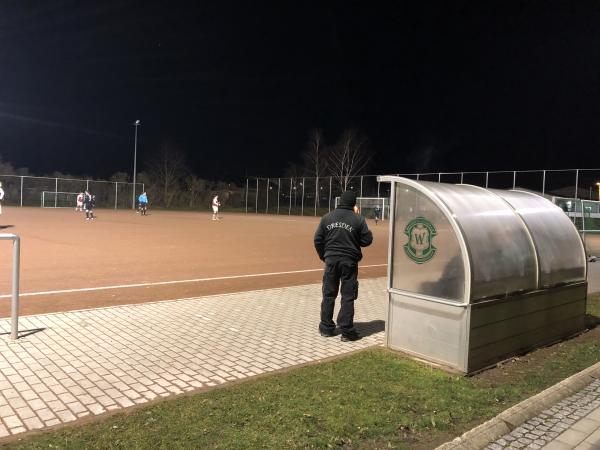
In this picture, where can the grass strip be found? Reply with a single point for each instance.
(372, 399)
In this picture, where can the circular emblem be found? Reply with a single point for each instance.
(420, 233)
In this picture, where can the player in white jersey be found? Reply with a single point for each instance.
(1, 197)
(79, 206)
(215, 207)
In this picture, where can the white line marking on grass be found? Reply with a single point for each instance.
(164, 283)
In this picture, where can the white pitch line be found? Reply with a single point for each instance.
(163, 283)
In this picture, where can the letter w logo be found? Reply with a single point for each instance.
(420, 238)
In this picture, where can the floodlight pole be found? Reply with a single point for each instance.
(136, 124)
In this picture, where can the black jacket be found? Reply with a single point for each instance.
(341, 234)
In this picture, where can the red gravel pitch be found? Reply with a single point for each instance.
(61, 251)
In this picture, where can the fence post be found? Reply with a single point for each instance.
(462, 177)
(87, 185)
(55, 190)
(514, 178)
(361, 186)
(543, 182)
(330, 180)
(316, 194)
(116, 193)
(486, 179)
(290, 210)
(378, 183)
(417, 177)
(302, 209)
(246, 195)
(256, 200)
(577, 185)
(439, 177)
(22, 191)
(267, 207)
(278, 193)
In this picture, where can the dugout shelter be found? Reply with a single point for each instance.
(478, 275)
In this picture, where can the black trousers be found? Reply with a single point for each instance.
(340, 272)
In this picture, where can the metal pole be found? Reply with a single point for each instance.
(290, 210)
(577, 185)
(256, 199)
(14, 305)
(417, 177)
(116, 193)
(316, 194)
(487, 174)
(514, 178)
(87, 185)
(378, 183)
(302, 209)
(267, 207)
(55, 190)
(330, 180)
(361, 185)
(136, 123)
(278, 193)
(544, 182)
(439, 177)
(246, 195)
(461, 177)
(22, 191)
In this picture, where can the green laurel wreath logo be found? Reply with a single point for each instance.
(420, 233)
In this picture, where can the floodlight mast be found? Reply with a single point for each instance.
(136, 124)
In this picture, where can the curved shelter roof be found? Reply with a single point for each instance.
(472, 243)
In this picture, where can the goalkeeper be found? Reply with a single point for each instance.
(143, 203)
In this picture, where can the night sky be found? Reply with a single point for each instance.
(238, 85)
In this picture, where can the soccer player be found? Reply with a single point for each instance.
(79, 206)
(1, 197)
(88, 205)
(377, 214)
(215, 207)
(143, 201)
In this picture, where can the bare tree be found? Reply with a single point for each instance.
(349, 157)
(167, 168)
(121, 177)
(195, 186)
(316, 159)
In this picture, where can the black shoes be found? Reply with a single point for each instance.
(329, 333)
(350, 337)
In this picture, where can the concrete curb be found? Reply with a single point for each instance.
(481, 436)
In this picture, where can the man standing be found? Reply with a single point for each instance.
(1, 197)
(338, 240)
(89, 201)
(143, 203)
(215, 207)
(79, 204)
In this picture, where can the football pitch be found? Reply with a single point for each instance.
(68, 263)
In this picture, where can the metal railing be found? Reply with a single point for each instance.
(14, 303)
(315, 196)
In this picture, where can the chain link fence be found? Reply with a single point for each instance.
(21, 190)
(309, 196)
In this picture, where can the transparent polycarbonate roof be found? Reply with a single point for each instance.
(464, 243)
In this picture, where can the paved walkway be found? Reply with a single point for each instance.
(572, 423)
(77, 364)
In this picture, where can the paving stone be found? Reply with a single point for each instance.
(118, 362)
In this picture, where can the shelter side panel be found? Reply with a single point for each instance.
(427, 329)
(517, 324)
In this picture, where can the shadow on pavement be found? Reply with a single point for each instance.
(368, 328)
